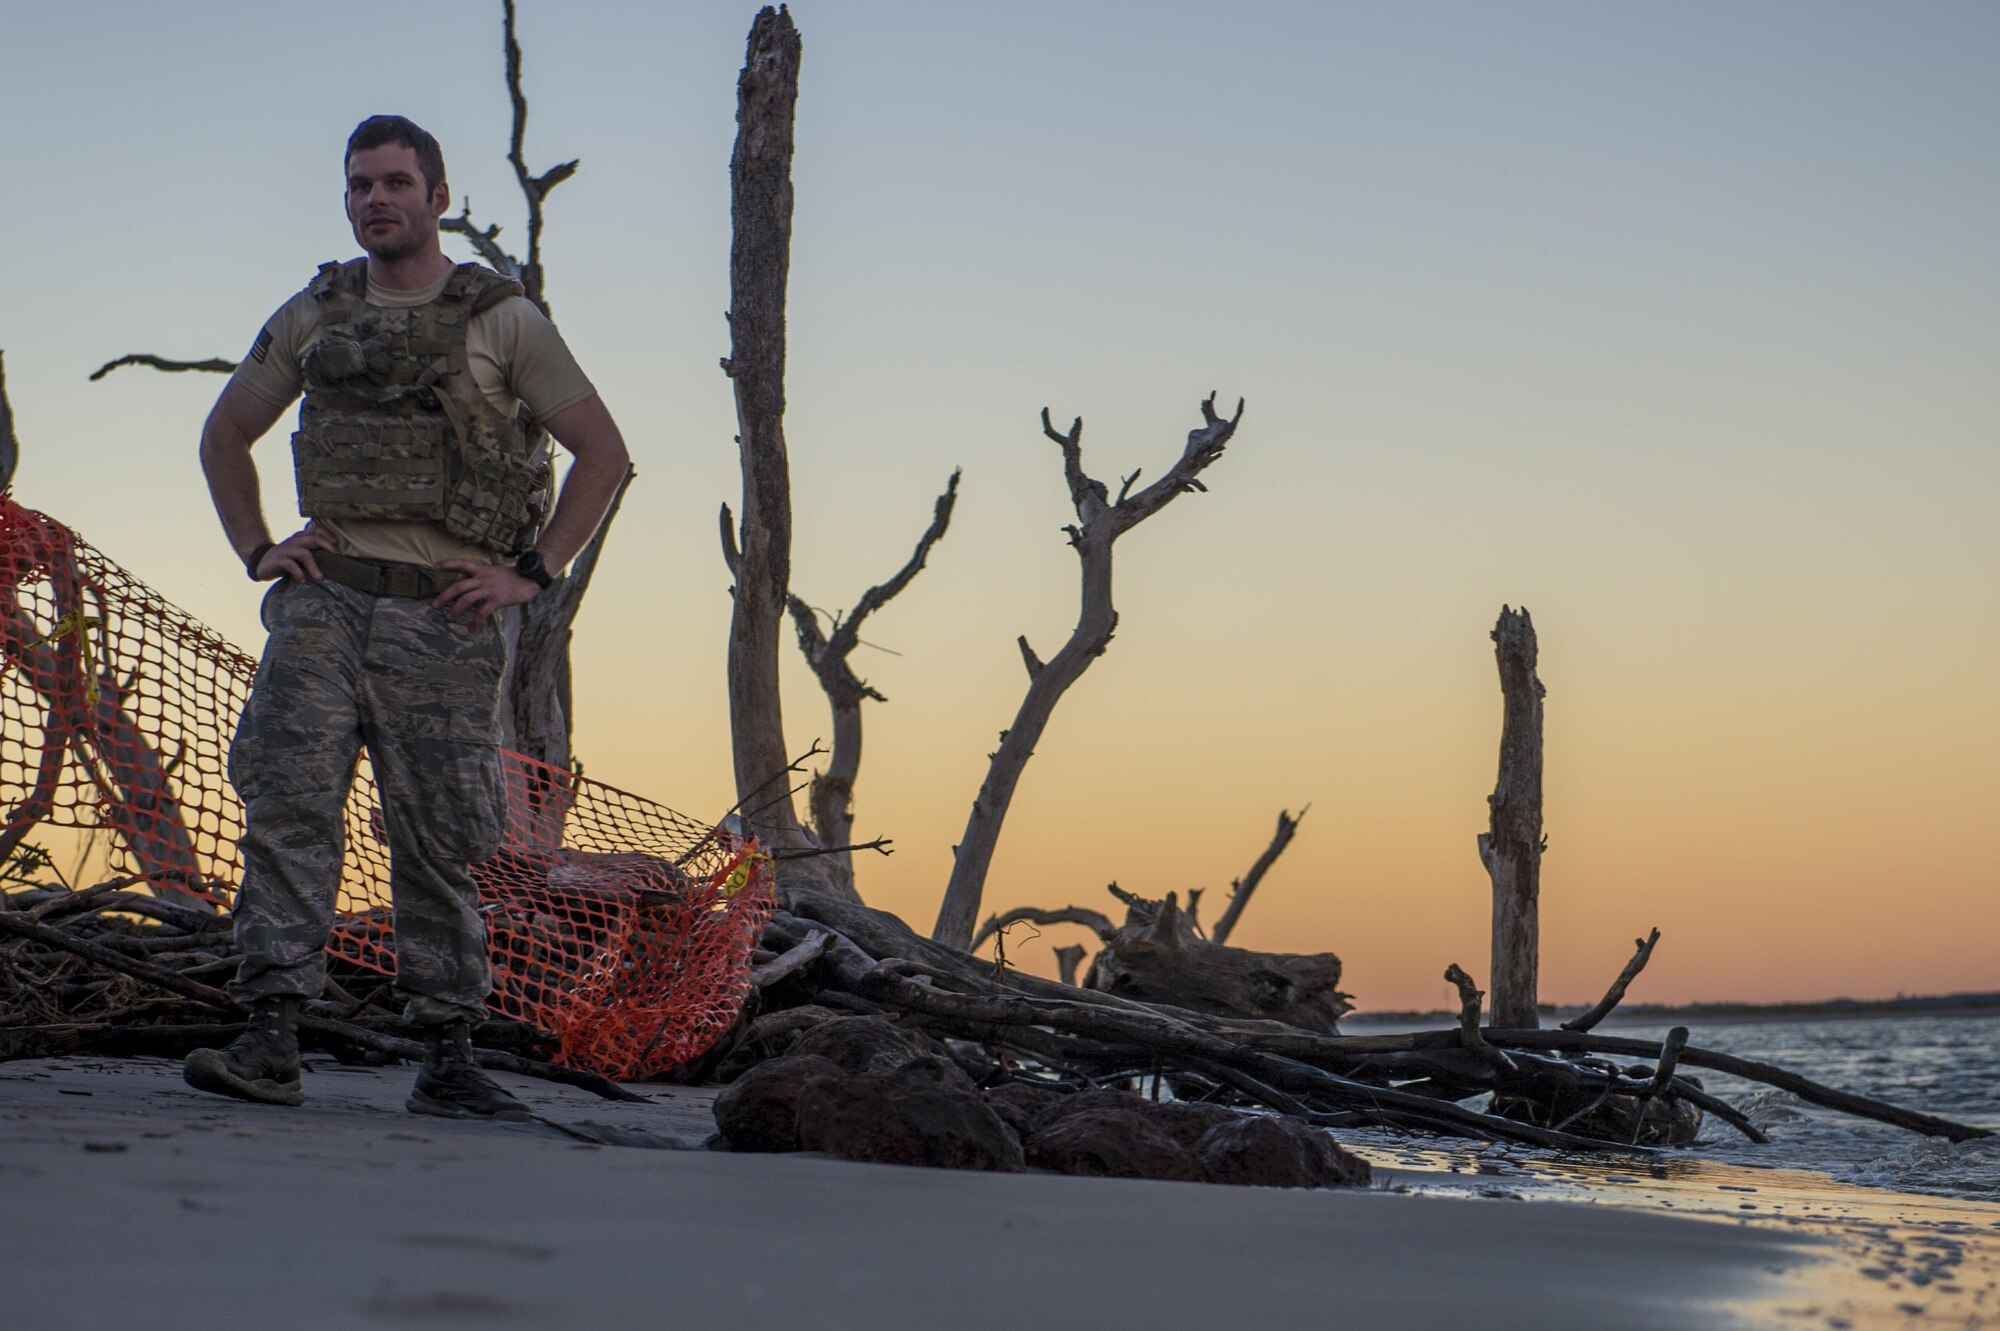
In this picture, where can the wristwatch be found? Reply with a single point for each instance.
(530, 566)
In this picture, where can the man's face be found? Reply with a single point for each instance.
(393, 215)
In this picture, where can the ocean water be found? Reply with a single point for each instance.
(1948, 1066)
(1943, 1065)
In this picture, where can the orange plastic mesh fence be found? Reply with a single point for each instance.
(617, 926)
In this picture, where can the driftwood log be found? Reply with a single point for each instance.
(1158, 957)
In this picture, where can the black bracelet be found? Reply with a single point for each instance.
(530, 566)
(257, 557)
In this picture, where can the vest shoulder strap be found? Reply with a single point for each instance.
(349, 279)
(479, 287)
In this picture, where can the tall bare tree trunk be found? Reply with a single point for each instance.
(1511, 848)
(760, 175)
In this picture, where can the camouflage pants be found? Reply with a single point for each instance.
(343, 669)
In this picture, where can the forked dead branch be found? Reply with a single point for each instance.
(831, 796)
(1101, 520)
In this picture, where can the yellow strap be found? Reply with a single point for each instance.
(76, 622)
(739, 877)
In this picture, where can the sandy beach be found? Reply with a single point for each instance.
(135, 1201)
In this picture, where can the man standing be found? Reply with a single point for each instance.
(423, 469)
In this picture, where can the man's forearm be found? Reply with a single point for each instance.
(233, 485)
(587, 492)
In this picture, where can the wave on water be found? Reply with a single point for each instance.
(1943, 1065)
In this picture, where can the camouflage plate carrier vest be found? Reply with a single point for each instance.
(393, 427)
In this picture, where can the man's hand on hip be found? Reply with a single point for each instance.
(292, 557)
(484, 589)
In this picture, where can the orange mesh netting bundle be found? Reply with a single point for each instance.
(619, 927)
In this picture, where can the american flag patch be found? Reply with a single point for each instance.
(262, 346)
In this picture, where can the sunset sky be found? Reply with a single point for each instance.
(1679, 325)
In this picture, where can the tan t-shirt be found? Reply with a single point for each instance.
(516, 357)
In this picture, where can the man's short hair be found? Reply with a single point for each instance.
(379, 131)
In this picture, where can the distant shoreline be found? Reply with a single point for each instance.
(1657, 1014)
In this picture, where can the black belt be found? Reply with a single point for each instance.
(383, 577)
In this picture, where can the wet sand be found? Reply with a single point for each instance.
(1887, 1259)
(132, 1200)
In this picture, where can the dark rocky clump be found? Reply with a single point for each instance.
(1110, 1141)
(759, 1111)
(861, 1044)
(1187, 1122)
(1265, 1151)
(1020, 1104)
(926, 1112)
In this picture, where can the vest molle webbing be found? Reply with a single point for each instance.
(393, 427)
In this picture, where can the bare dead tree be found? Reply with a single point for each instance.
(1240, 890)
(1100, 522)
(527, 269)
(540, 719)
(1511, 848)
(831, 799)
(760, 176)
